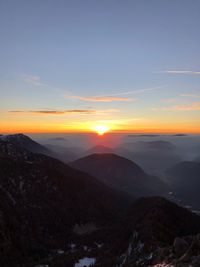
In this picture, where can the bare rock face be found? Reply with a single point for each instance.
(196, 261)
(180, 246)
(185, 252)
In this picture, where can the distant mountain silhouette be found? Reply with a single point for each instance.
(153, 156)
(156, 145)
(63, 153)
(185, 181)
(120, 173)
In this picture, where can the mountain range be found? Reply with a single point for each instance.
(53, 215)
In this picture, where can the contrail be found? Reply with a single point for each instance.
(135, 91)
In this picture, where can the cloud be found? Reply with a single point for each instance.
(101, 98)
(138, 91)
(179, 72)
(184, 107)
(33, 79)
(55, 112)
(114, 97)
(190, 95)
(168, 100)
(62, 112)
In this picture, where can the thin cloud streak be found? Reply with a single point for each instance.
(179, 72)
(137, 91)
(195, 106)
(186, 107)
(55, 112)
(62, 112)
(101, 98)
(114, 97)
(190, 95)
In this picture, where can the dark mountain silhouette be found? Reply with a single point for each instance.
(23, 141)
(150, 228)
(48, 207)
(56, 151)
(42, 199)
(120, 173)
(160, 220)
(153, 230)
(185, 182)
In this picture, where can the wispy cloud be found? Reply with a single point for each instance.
(190, 95)
(179, 72)
(101, 98)
(185, 107)
(33, 79)
(55, 112)
(168, 100)
(62, 112)
(138, 91)
(182, 107)
(115, 96)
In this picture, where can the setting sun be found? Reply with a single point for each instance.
(101, 129)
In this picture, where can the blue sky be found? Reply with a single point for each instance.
(64, 55)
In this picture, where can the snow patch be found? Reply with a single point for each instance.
(60, 251)
(85, 262)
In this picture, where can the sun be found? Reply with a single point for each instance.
(101, 129)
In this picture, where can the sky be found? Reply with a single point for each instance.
(70, 66)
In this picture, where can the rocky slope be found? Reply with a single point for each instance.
(42, 200)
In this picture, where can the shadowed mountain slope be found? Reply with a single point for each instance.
(120, 173)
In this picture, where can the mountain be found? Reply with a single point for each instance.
(43, 199)
(153, 145)
(185, 182)
(153, 156)
(63, 153)
(120, 173)
(23, 141)
(150, 228)
(54, 215)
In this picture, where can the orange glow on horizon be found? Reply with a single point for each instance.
(156, 130)
(100, 127)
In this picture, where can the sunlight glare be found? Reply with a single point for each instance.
(101, 129)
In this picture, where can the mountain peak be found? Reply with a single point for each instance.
(24, 142)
